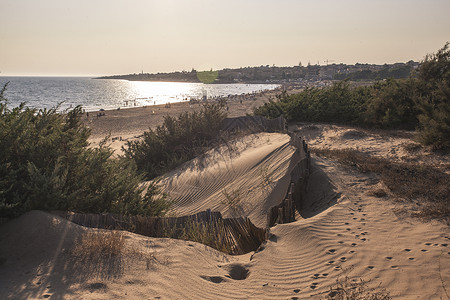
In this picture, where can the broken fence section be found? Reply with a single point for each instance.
(285, 211)
(230, 235)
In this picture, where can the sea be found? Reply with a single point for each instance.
(95, 94)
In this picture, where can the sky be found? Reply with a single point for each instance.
(107, 37)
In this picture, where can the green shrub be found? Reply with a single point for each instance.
(338, 104)
(420, 102)
(45, 164)
(390, 104)
(176, 141)
(432, 99)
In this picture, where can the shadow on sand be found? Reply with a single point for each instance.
(321, 193)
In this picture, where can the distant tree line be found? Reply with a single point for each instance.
(385, 73)
(273, 73)
(420, 102)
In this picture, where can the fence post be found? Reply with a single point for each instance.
(280, 215)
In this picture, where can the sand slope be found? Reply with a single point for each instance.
(341, 227)
(254, 170)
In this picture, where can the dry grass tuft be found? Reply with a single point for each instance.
(100, 244)
(412, 147)
(379, 193)
(353, 289)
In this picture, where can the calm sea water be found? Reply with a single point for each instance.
(93, 94)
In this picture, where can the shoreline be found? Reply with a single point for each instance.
(127, 124)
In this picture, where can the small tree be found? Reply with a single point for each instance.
(433, 99)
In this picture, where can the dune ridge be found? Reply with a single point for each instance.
(254, 169)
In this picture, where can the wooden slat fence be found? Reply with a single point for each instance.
(231, 235)
(285, 211)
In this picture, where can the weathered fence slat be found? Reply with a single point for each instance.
(285, 211)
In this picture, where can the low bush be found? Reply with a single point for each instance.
(420, 102)
(176, 141)
(46, 164)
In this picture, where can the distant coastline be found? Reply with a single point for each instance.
(279, 75)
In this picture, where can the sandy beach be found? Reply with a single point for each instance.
(130, 123)
(343, 230)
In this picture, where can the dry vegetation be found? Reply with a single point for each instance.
(99, 244)
(423, 185)
(354, 289)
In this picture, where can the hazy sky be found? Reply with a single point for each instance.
(105, 37)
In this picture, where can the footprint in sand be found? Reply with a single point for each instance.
(297, 291)
(394, 267)
(343, 258)
(315, 276)
(370, 267)
(428, 244)
(424, 250)
(331, 251)
(388, 257)
(407, 250)
(354, 244)
(214, 279)
(341, 242)
(314, 285)
(444, 245)
(355, 218)
(348, 229)
(339, 234)
(325, 274)
(363, 239)
(364, 215)
(411, 258)
(346, 223)
(352, 251)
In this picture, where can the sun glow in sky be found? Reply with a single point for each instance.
(106, 37)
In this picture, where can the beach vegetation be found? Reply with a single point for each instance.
(423, 185)
(46, 164)
(176, 141)
(420, 103)
(233, 202)
(347, 288)
(433, 99)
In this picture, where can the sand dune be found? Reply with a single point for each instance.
(253, 171)
(341, 227)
